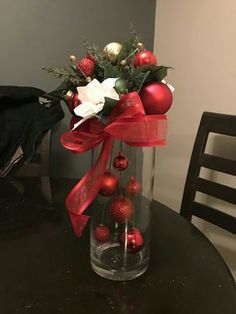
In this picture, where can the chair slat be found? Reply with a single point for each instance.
(214, 216)
(218, 164)
(217, 190)
(218, 123)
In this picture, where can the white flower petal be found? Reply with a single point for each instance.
(99, 107)
(85, 109)
(109, 83)
(92, 94)
(109, 90)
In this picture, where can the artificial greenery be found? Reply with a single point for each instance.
(133, 78)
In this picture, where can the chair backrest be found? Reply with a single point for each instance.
(219, 124)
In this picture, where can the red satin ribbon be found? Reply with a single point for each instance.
(127, 122)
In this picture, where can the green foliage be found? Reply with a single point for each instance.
(128, 47)
(155, 73)
(111, 71)
(138, 80)
(108, 106)
(94, 51)
(130, 78)
(62, 89)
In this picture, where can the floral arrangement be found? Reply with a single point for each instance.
(119, 92)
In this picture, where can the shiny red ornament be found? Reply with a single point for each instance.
(72, 101)
(87, 66)
(120, 209)
(156, 98)
(76, 100)
(144, 57)
(134, 240)
(101, 233)
(133, 186)
(120, 162)
(109, 184)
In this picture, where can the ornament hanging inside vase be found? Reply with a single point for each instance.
(133, 239)
(156, 98)
(109, 184)
(101, 233)
(120, 209)
(144, 57)
(133, 186)
(120, 162)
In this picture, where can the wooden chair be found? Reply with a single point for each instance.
(219, 124)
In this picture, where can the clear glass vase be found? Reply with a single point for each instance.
(120, 223)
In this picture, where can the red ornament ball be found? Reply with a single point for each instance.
(109, 184)
(72, 100)
(75, 101)
(133, 186)
(101, 233)
(134, 240)
(121, 209)
(144, 57)
(120, 162)
(87, 66)
(90, 57)
(156, 98)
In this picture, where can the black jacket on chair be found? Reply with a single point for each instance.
(26, 113)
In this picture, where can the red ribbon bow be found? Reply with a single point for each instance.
(127, 122)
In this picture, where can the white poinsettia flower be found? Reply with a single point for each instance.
(169, 85)
(92, 96)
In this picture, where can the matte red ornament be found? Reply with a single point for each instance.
(144, 57)
(133, 186)
(87, 66)
(109, 184)
(156, 98)
(133, 239)
(101, 233)
(120, 209)
(90, 57)
(120, 162)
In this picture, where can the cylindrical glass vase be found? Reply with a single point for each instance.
(120, 224)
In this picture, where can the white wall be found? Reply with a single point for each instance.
(198, 38)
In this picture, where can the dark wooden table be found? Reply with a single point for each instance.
(45, 269)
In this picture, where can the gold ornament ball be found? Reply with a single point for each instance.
(73, 58)
(111, 51)
(140, 46)
(69, 95)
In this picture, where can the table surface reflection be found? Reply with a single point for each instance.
(45, 269)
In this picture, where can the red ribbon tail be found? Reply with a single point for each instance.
(78, 223)
(82, 195)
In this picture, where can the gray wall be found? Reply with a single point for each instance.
(42, 32)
